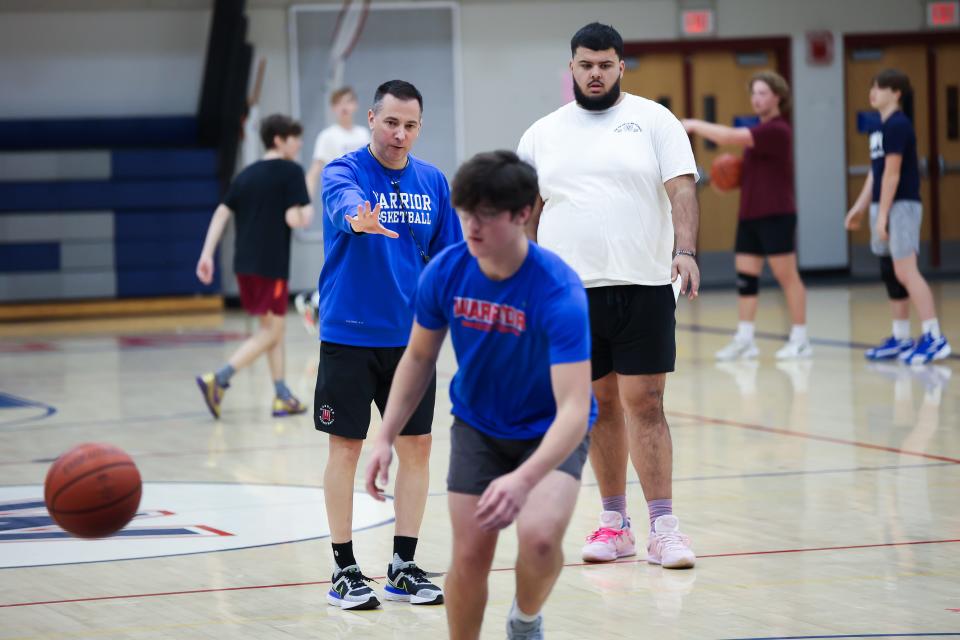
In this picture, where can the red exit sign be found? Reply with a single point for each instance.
(698, 22)
(943, 14)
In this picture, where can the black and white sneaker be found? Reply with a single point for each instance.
(350, 591)
(406, 582)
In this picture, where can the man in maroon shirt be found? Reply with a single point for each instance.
(767, 224)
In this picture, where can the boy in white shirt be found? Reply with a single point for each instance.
(336, 140)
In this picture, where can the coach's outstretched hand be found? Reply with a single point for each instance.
(379, 469)
(367, 221)
(501, 502)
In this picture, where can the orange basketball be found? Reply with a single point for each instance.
(725, 172)
(92, 490)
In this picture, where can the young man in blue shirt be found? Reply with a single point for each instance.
(893, 190)
(374, 256)
(522, 402)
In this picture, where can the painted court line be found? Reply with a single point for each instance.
(501, 569)
(859, 635)
(811, 436)
(766, 335)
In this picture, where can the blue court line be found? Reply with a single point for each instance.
(10, 400)
(772, 474)
(782, 337)
(99, 422)
(949, 634)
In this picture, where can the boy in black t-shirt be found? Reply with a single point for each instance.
(269, 198)
(893, 190)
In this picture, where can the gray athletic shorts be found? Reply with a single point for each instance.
(903, 229)
(477, 459)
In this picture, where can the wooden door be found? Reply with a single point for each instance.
(948, 139)
(658, 77)
(721, 95)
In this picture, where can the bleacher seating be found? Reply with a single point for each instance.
(103, 208)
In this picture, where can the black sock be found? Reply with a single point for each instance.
(343, 554)
(405, 547)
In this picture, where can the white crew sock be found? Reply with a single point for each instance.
(932, 326)
(901, 329)
(744, 332)
(798, 333)
(516, 614)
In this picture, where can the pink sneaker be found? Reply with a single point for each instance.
(668, 547)
(612, 540)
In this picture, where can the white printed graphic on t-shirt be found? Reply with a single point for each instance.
(606, 211)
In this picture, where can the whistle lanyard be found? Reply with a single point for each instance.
(395, 183)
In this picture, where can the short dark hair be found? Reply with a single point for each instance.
(278, 125)
(399, 89)
(597, 37)
(895, 80)
(494, 181)
(341, 92)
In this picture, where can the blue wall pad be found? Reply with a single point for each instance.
(156, 225)
(868, 121)
(98, 133)
(157, 282)
(746, 121)
(65, 196)
(37, 256)
(164, 163)
(169, 254)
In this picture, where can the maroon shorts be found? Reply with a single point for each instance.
(260, 295)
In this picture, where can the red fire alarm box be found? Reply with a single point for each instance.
(819, 47)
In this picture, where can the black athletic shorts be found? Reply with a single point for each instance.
(767, 236)
(350, 378)
(477, 459)
(632, 329)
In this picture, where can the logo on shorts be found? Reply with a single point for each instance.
(326, 415)
(628, 127)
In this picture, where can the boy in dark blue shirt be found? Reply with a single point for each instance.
(374, 254)
(893, 190)
(522, 400)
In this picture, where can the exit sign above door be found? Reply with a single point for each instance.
(698, 22)
(943, 13)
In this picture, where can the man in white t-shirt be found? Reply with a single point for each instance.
(337, 139)
(619, 205)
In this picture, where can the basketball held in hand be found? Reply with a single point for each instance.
(725, 172)
(93, 490)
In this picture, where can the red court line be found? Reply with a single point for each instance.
(811, 436)
(571, 564)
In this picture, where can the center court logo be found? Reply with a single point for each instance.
(177, 518)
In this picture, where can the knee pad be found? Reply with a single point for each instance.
(747, 285)
(895, 290)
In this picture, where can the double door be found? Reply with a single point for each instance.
(710, 85)
(933, 107)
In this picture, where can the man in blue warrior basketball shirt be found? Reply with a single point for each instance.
(893, 190)
(374, 257)
(521, 397)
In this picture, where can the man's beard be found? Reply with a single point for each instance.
(597, 103)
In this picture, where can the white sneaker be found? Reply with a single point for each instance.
(794, 350)
(738, 350)
(668, 547)
(613, 539)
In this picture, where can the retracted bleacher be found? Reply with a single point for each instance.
(103, 208)
(117, 207)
